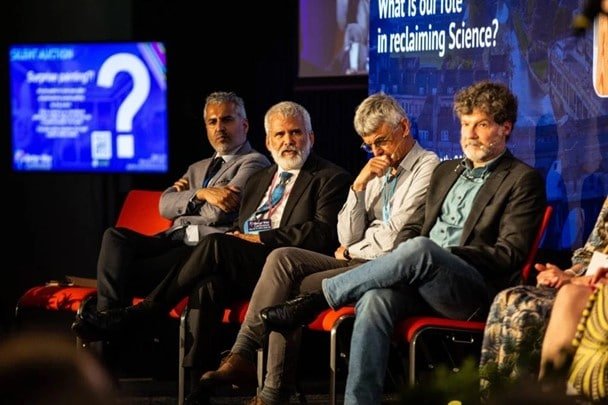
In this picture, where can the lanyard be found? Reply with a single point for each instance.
(387, 194)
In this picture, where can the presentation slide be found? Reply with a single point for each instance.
(423, 51)
(334, 37)
(89, 107)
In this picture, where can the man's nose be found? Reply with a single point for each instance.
(377, 151)
(289, 139)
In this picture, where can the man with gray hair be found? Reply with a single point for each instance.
(464, 244)
(383, 197)
(294, 202)
(204, 200)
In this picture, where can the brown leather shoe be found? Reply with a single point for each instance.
(234, 369)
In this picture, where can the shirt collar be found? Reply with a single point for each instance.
(482, 171)
(409, 161)
(280, 170)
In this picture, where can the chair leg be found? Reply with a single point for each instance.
(261, 366)
(333, 357)
(181, 372)
(412, 361)
(333, 354)
(261, 363)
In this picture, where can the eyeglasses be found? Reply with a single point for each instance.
(378, 143)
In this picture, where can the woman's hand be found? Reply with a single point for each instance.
(551, 276)
(600, 277)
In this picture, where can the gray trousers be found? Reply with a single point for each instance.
(286, 273)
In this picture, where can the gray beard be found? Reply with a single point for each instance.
(294, 163)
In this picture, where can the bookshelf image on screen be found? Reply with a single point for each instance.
(89, 107)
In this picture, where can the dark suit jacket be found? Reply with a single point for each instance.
(311, 213)
(502, 224)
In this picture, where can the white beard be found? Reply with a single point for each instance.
(292, 163)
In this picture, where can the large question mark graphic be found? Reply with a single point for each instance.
(126, 62)
(495, 24)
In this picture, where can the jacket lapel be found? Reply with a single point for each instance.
(301, 185)
(243, 150)
(251, 204)
(438, 197)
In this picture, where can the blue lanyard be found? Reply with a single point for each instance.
(388, 190)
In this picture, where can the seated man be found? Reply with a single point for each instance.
(203, 201)
(295, 202)
(464, 245)
(383, 197)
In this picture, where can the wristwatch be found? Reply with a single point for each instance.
(346, 254)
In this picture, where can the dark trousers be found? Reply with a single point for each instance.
(131, 264)
(220, 270)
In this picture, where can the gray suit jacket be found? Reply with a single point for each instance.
(502, 224)
(311, 211)
(175, 204)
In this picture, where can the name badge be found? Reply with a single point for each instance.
(258, 225)
(598, 260)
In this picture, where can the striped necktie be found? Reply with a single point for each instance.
(276, 194)
(279, 190)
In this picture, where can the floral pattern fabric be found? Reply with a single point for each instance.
(518, 319)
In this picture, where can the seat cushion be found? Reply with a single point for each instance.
(55, 297)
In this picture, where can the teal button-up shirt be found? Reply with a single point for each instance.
(457, 205)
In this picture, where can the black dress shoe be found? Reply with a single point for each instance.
(108, 324)
(293, 313)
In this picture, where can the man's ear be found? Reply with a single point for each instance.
(406, 127)
(506, 128)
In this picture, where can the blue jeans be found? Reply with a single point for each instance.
(418, 277)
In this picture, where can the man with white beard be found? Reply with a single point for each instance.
(294, 202)
(464, 244)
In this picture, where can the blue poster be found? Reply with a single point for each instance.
(96, 107)
(423, 51)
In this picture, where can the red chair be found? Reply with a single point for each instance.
(411, 329)
(330, 321)
(140, 213)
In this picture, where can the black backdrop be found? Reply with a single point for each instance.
(53, 223)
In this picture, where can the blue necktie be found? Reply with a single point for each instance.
(214, 167)
(279, 190)
(275, 195)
